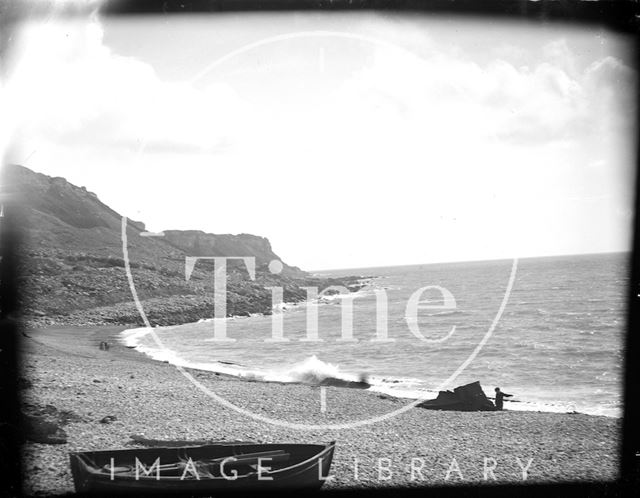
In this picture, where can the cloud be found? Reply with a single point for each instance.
(613, 85)
(558, 53)
(454, 97)
(69, 87)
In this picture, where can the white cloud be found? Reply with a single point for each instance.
(558, 53)
(69, 87)
(450, 97)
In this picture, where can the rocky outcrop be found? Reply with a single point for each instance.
(199, 243)
(73, 269)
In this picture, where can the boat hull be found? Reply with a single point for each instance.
(307, 467)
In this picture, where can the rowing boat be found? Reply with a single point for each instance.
(197, 469)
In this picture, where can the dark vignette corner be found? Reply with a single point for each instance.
(10, 333)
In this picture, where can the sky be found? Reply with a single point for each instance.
(349, 139)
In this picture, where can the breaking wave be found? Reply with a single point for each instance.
(314, 371)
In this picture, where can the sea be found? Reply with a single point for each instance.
(550, 331)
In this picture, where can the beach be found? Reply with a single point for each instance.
(64, 367)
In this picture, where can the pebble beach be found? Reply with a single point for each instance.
(64, 367)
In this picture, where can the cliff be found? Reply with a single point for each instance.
(199, 243)
(73, 271)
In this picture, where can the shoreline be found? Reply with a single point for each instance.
(66, 369)
(126, 313)
(524, 406)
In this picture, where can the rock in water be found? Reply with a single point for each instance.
(335, 382)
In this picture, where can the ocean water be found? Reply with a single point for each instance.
(558, 345)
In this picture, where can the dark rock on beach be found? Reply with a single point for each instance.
(24, 383)
(42, 430)
(469, 397)
(45, 424)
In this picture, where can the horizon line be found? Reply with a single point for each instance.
(627, 251)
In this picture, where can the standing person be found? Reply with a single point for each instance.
(499, 397)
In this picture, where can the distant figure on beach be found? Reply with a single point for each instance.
(500, 397)
(104, 346)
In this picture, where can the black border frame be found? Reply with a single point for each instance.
(622, 16)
